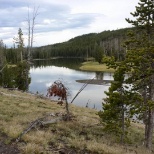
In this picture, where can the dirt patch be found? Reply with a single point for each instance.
(67, 150)
(8, 149)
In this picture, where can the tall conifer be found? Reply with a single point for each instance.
(139, 62)
(140, 57)
(20, 43)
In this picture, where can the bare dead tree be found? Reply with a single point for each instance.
(29, 23)
(31, 26)
(84, 86)
(35, 13)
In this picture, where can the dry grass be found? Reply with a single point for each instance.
(82, 135)
(95, 66)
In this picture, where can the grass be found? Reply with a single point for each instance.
(12, 65)
(83, 134)
(95, 66)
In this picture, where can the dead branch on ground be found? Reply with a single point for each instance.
(42, 122)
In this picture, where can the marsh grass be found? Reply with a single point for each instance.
(95, 66)
(83, 134)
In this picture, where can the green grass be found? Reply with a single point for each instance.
(84, 134)
(95, 66)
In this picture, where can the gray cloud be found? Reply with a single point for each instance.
(72, 18)
(66, 22)
(5, 4)
(51, 17)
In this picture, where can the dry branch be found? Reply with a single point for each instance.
(41, 122)
(52, 121)
(84, 86)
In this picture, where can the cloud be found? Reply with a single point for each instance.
(51, 17)
(5, 4)
(68, 18)
(70, 21)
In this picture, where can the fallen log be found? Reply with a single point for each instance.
(41, 122)
(52, 121)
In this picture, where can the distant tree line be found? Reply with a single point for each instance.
(108, 43)
(2, 53)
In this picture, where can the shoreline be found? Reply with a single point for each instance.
(95, 66)
(95, 81)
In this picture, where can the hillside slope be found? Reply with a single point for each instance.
(83, 134)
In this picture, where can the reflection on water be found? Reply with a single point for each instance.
(43, 77)
(72, 63)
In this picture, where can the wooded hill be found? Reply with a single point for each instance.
(86, 45)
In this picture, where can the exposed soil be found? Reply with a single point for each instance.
(7, 148)
(67, 150)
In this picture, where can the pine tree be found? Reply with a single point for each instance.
(140, 57)
(99, 54)
(139, 61)
(22, 76)
(20, 43)
(118, 107)
(2, 55)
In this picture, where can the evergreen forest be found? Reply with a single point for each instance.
(110, 43)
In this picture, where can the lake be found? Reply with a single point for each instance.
(44, 73)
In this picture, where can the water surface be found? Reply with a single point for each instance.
(42, 76)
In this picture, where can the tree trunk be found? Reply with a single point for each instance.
(150, 129)
(35, 13)
(150, 116)
(67, 110)
(146, 131)
(123, 125)
(21, 56)
(31, 26)
(145, 114)
(29, 49)
(29, 35)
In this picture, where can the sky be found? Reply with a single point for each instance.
(60, 20)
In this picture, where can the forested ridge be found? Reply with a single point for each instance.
(111, 43)
(97, 45)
